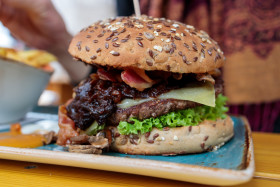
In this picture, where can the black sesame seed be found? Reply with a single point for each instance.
(173, 45)
(100, 35)
(158, 30)
(149, 62)
(109, 38)
(95, 41)
(187, 46)
(185, 60)
(112, 34)
(115, 53)
(195, 59)
(156, 135)
(87, 48)
(194, 46)
(171, 51)
(93, 57)
(128, 36)
(106, 45)
(140, 34)
(88, 36)
(202, 145)
(209, 52)
(180, 53)
(91, 31)
(116, 45)
(103, 31)
(103, 26)
(98, 50)
(115, 39)
(139, 38)
(122, 31)
(163, 33)
(202, 45)
(151, 53)
(124, 40)
(177, 38)
(172, 31)
(140, 43)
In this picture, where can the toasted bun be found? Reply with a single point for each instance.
(147, 43)
(206, 136)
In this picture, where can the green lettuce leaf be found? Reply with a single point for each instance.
(187, 117)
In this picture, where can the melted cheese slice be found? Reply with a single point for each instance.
(199, 92)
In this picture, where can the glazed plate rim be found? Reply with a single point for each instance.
(152, 168)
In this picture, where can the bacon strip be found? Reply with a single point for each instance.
(136, 79)
(67, 127)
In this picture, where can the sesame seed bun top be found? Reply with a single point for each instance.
(147, 43)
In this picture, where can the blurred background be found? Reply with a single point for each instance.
(248, 31)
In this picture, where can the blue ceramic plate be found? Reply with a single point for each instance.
(232, 164)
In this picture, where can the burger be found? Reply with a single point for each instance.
(157, 90)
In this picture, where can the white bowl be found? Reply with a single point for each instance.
(20, 88)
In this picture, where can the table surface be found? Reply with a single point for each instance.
(16, 173)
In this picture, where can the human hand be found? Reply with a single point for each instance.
(39, 25)
(36, 23)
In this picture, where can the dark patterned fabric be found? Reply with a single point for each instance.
(240, 27)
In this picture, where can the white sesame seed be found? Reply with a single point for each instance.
(219, 50)
(177, 34)
(190, 26)
(159, 26)
(139, 26)
(175, 138)
(162, 138)
(158, 48)
(187, 30)
(182, 34)
(208, 41)
(173, 29)
(162, 39)
(156, 33)
(175, 25)
(112, 52)
(167, 40)
(118, 23)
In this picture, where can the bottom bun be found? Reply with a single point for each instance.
(206, 136)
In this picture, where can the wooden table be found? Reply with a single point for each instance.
(15, 173)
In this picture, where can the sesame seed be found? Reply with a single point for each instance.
(175, 138)
(106, 45)
(115, 53)
(100, 35)
(177, 38)
(158, 48)
(185, 60)
(162, 138)
(187, 46)
(88, 36)
(139, 38)
(109, 38)
(189, 26)
(149, 62)
(194, 46)
(162, 39)
(140, 34)
(150, 141)
(149, 36)
(171, 51)
(202, 45)
(166, 48)
(173, 29)
(163, 33)
(195, 59)
(151, 53)
(167, 40)
(95, 41)
(87, 48)
(93, 57)
(124, 40)
(156, 33)
(116, 44)
(209, 52)
(159, 26)
(140, 43)
(115, 39)
(155, 136)
(173, 45)
(180, 53)
(122, 31)
(98, 50)
(175, 25)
